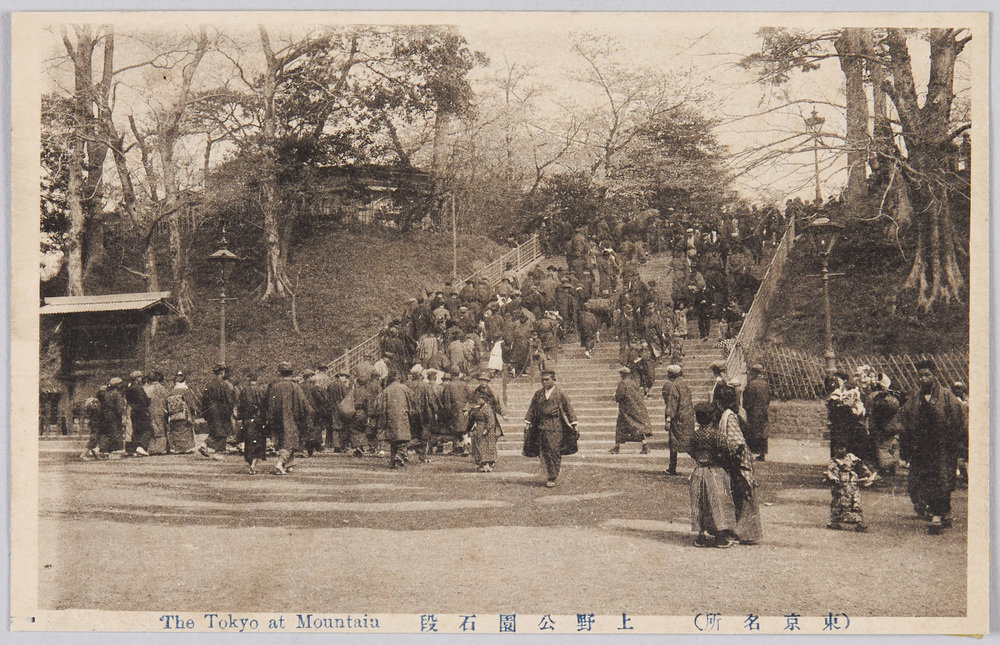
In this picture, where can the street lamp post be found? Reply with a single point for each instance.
(224, 259)
(823, 234)
(814, 123)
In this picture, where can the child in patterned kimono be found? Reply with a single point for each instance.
(847, 474)
(484, 430)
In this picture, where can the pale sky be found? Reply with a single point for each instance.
(709, 46)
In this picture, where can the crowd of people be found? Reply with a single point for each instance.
(430, 388)
(873, 428)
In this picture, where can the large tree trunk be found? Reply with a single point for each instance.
(277, 277)
(935, 274)
(84, 189)
(178, 250)
(442, 121)
(852, 62)
(152, 277)
(77, 219)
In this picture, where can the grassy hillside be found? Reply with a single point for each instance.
(869, 312)
(348, 285)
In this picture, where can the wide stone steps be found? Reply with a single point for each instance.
(590, 383)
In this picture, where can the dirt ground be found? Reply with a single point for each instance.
(183, 533)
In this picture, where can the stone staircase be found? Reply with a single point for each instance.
(590, 383)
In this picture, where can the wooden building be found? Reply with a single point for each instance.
(98, 337)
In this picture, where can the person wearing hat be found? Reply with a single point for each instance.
(381, 366)
(142, 425)
(756, 402)
(458, 353)
(632, 424)
(95, 423)
(932, 439)
(217, 404)
(550, 427)
(287, 411)
(312, 437)
(452, 414)
(422, 411)
(182, 410)
(718, 376)
(394, 404)
(250, 411)
(483, 381)
(111, 403)
(678, 415)
(364, 436)
(547, 329)
(339, 437)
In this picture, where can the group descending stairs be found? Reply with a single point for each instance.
(590, 383)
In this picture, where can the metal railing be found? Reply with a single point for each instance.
(519, 258)
(755, 321)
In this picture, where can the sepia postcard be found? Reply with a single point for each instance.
(500, 323)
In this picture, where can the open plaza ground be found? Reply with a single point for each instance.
(341, 534)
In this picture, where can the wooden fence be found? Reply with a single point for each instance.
(794, 374)
(518, 258)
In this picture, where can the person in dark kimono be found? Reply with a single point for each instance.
(92, 417)
(550, 416)
(588, 332)
(633, 417)
(678, 415)
(756, 401)
(249, 410)
(365, 437)
(287, 411)
(338, 437)
(217, 404)
(142, 425)
(518, 347)
(312, 439)
(113, 414)
(932, 439)
(453, 412)
(420, 424)
(393, 408)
